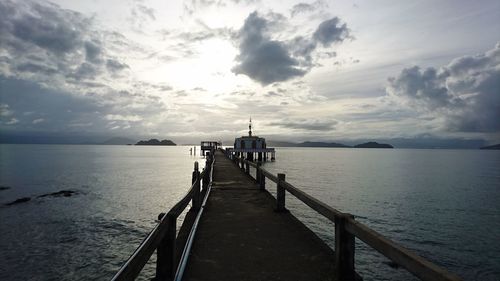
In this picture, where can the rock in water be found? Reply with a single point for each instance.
(20, 200)
(65, 193)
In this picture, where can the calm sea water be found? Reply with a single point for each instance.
(443, 204)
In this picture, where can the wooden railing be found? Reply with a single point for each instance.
(163, 236)
(346, 230)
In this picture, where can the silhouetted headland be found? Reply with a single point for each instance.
(492, 147)
(156, 142)
(373, 144)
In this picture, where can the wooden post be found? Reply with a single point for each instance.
(280, 194)
(262, 182)
(165, 260)
(196, 181)
(247, 168)
(242, 166)
(257, 173)
(344, 249)
(206, 178)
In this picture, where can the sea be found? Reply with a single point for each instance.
(442, 204)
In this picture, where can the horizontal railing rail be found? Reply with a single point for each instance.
(163, 236)
(346, 229)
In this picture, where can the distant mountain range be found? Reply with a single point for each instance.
(495, 147)
(425, 142)
(329, 144)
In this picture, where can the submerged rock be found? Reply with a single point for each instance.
(20, 200)
(65, 193)
(2, 187)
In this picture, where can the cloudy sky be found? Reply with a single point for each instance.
(197, 69)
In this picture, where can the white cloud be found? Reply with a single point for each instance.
(39, 120)
(465, 93)
(119, 117)
(12, 121)
(4, 110)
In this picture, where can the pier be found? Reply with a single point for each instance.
(236, 230)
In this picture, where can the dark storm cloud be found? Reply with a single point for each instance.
(84, 71)
(306, 124)
(261, 58)
(266, 60)
(465, 93)
(93, 51)
(45, 26)
(115, 66)
(59, 72)
(35, 68)
(427, 86)
(57, 108)
(45, 42)
(331, 31)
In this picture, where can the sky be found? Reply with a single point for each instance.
(302, 70)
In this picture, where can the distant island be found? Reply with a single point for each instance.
(373, 144)
(155, 142)
(492, 147)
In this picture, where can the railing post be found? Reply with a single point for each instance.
(262, 182)
(280, 194)
(344, 249)
(196, 181)
(165, 260)
(206, 179)
(257, 173)
(247, 168)
(206, 174)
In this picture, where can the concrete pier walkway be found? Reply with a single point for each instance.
(241, 237)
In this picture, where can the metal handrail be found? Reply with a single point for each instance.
(187, 249)
(135, 263)
(141, 255)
